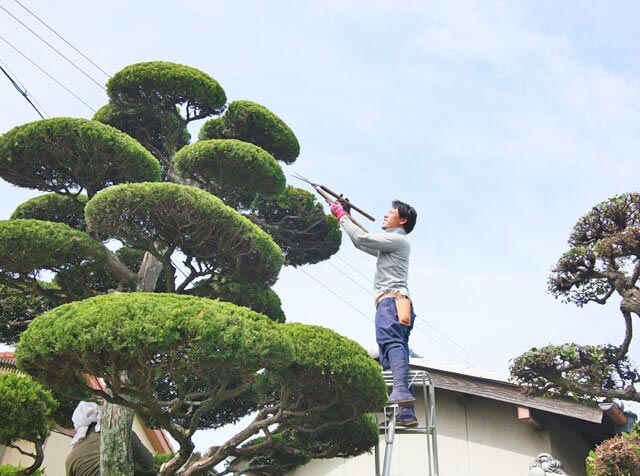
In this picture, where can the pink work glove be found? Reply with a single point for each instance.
(337, 210)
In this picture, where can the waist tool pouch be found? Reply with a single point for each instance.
(403, 307)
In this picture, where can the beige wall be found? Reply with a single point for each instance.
(56, 450)
(476, 437)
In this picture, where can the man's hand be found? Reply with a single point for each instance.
(337, 210)
(345, 205)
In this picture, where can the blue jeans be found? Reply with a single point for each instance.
(391, 336)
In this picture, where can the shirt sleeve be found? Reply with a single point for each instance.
(372, 243)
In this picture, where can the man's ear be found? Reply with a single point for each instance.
(402, 220)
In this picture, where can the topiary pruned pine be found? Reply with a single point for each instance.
(54, 207)
(163, 217)
(166, 85)
(146, 335)
(309, 236)
(183, 362)
(233, 170)
(257, 297)
(69, 155)
(603, 261)
(251, 122)
(18, 307)
(52, 247)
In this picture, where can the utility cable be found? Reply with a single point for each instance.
(337, 295)
(53, 48)
(368, 278)
(419, 329)
(40, 68)
(21, 91)
(15, 76)
(370, 320)
(59, 36)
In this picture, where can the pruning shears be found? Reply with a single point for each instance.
(329, 196)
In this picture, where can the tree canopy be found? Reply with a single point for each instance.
(149, 262)
(69, 155)
(604, 260)
(26, 413)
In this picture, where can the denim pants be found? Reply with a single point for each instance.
(390, 334)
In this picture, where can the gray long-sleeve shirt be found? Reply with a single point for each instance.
(392, 250)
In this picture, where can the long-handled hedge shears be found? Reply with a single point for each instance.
(327, 194)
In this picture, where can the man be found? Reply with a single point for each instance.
(84, 459)
(394, 310)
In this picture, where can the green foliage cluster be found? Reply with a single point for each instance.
(52, 246)
(26, 409)
(299, 225)
(273, 459)
(147, 125)
(156, 338)
(10, 470)
(251, 122)
(231, 169)
(333, 373)
(165, 85)
(604, 244)
(18, 308)
(163, 217)
(256, 297)
(571, 370)
(65, 155)
(54, 207)
(617, 456)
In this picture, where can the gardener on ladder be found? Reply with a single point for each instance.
(394, 310)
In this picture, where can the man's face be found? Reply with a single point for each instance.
(392, 219)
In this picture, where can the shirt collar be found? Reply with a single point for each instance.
(397, 229)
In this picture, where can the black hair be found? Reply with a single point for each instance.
(408, 212)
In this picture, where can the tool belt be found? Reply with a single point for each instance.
(403, 305)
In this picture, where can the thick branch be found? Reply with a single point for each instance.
(118, 268)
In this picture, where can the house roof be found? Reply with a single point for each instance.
(496, 387)
(158, 438)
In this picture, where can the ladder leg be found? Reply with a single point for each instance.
(389, 436)
(377, 447)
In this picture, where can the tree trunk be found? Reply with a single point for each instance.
(116, 457)
(116, 453)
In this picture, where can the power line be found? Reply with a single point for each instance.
(40, 68)
(6, 66)
(21, 91)
(353, 268)
(24, 88)
(59, 36)
(337, 295)
(416, 327)
(369, 319)
(53, 48)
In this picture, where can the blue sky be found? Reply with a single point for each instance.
(501, 122)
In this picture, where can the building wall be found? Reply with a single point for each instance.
(567, 447)
(56, 449)
(476, 437)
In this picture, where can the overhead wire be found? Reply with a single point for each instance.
(52, 47)
(60, 36)
(20, 89)
(416, 327)
(370, 320)
(49, 75)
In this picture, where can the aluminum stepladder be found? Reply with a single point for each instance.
(419, 379)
